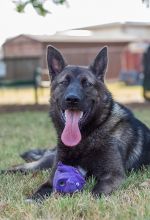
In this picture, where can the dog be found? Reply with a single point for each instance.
(94, 132)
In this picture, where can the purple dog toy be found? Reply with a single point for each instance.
(67, 179)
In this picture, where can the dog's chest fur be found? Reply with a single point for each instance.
(97, 145)
(116, 140)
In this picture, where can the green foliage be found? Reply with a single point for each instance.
(38, 5)
(147, 2)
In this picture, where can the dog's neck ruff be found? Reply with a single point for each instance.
(71, 135)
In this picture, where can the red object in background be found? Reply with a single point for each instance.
(131, 61)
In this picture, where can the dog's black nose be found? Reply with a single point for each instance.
(72, 99)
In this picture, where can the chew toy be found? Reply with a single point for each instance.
(67, 179)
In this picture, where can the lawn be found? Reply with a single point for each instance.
(26, 130)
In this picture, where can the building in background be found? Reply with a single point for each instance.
(2, 65)
(24, 53)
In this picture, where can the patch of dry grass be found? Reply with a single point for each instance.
(23, 95)
(126, 94)
(26, 95)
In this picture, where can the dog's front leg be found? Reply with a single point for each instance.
(109, 172)
(107, 183)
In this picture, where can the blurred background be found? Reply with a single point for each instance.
(79, 28)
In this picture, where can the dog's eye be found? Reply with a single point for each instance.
(65, 82)
(86, 83)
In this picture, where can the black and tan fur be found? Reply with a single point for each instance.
(113, 140)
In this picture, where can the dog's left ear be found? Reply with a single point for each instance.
(100, 64)
(55, 60)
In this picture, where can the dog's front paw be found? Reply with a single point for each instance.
(43, 192)
(101, 189)
(107, 186)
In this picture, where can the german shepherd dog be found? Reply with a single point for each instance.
(93, 131)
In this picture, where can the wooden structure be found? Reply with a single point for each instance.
(24, 53)
(22, 56)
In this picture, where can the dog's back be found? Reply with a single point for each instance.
(133, 135)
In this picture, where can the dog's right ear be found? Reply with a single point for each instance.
(55, 60)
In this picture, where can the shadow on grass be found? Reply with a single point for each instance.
(23, 108)
(44, 107)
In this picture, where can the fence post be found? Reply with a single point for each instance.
(37, 80)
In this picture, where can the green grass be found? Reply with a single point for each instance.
(23, 131)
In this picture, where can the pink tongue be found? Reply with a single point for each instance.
(71, 135)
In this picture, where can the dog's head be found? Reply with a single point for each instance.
(78, 94)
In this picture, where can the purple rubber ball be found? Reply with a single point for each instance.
(67, 179)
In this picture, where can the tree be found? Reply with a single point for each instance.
(38, 5)
(147, 2)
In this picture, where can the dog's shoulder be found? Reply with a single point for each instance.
(121, 111)
(123, 125)
(119, 114)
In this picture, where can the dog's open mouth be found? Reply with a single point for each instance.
(71, 135)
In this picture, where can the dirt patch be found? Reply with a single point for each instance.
(137, 105)
(23, 108)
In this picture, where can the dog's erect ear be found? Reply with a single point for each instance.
(55, 60)
(100, 64)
